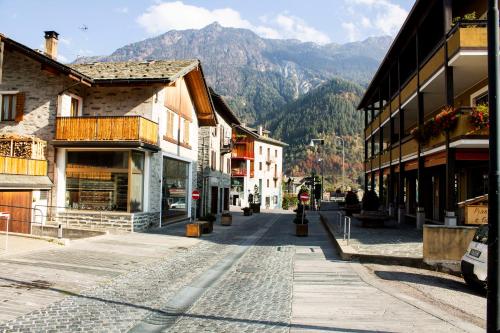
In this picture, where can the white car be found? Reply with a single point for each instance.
(475, 260)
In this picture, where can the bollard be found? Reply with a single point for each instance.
(59, 231)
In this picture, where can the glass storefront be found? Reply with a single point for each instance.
(100, 180)
(174, 189)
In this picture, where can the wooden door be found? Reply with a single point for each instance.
(18, 205)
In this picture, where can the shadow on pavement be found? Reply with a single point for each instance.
(429, 280)
(185, 315)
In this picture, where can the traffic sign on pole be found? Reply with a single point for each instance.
(304, 197)
(195, 195)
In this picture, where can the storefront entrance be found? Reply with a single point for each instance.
(174, 201)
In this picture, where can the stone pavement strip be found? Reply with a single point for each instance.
(255, 276)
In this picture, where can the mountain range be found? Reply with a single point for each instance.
(274, 81)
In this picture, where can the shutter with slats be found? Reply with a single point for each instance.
(20, 98)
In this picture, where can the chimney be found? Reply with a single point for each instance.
(260, 130)
(51, 38)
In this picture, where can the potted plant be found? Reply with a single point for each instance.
(351, 203)
(226, 218)
(480, 117)
(210, 219)
(247, 211)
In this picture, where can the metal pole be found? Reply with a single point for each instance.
(492, 317)
(303, 210)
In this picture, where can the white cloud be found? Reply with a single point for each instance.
(65, 40)
(385, 17)
(352, 31)
(62, 58)
(165, 16)
(121, 10)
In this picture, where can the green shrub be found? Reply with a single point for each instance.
(370, 201)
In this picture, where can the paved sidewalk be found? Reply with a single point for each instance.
(331, 295)
(391, 241)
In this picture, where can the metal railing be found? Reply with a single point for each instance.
(344, 226)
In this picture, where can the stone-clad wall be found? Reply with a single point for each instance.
(108, 220)
(154, 190)
(118, 101)
(41, 89)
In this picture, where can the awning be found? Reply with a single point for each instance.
(13, 182)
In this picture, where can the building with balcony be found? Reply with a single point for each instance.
(256, 168)
(426, 138)
(122, 137)
(214, 159)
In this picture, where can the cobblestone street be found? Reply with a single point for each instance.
(255, 276)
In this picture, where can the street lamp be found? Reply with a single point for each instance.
(343, 157)
(321, 142)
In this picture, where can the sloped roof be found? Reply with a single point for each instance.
(163, 70)
(260, 137)
(223, 109)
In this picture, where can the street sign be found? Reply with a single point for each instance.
(195, 195)
(304, 197)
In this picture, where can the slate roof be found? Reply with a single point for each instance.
(163, 70)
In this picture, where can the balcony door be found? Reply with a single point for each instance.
(70, 105)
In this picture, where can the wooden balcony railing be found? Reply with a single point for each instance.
(119, 128)
(432, 65)
(409, 147)
(386, 157)
(22, 166)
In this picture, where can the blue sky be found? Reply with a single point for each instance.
(112, 23)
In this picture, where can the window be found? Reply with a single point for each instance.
(276, 153)
(479, 97)
(170, 124)
(275, 183)
(268, 183)
(260, 150)
(186, 131)
(268, 167)
(74, 109)
(268, 154)
(100, 180)
(8, 107)
(174, 200)
(260, 166)
(213, 160)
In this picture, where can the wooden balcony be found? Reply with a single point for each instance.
(385, 114)
(375, 162)
(22, 166)
(386, 157)
(130, 131)
(243, 150)
(432, 65)
(467, 35)
(409, 147)
(409, 89)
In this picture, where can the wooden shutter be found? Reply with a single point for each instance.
(20, 98)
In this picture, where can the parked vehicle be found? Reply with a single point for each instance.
(475, 261)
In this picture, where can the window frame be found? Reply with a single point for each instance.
(13, 106)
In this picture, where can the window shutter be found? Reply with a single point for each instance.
(20, 97)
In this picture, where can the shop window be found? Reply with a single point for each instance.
(174, 188)
(99, 180)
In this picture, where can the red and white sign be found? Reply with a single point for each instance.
(304, 197)
(195, 195)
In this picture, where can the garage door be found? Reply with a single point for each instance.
(18, 205)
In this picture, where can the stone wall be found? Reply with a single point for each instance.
(144, 221)
(108, 220)
(154, 190)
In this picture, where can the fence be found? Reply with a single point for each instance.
(344, 226)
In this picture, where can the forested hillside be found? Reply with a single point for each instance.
(325, 112)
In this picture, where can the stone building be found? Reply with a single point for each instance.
(214, 159)
(122, 138)
(256, 168)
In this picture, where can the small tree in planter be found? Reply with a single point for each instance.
(226, 218)
(370, 216)
(351, 203)
(210, 218)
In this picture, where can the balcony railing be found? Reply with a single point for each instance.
(22, 166)
(107, 129)
(467, 35)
